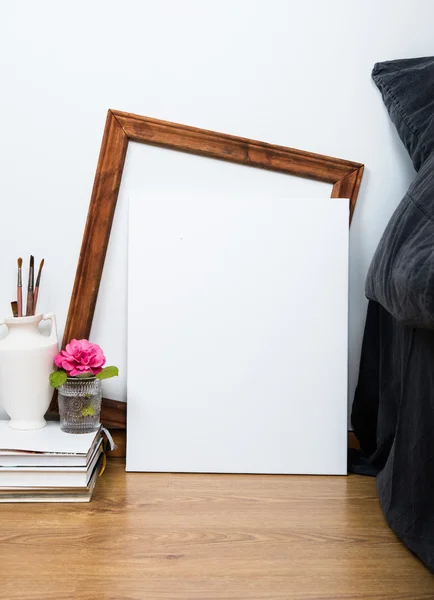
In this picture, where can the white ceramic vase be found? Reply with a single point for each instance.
(26, 361)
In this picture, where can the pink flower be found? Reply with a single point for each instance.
(80, 357)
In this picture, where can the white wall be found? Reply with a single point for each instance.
(286, 72)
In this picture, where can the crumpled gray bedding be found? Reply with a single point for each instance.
(401, 276)
(393, 409)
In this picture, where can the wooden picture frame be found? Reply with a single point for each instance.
(120, 129)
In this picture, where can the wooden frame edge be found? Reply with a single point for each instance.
(120, 129)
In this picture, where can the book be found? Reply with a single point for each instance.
(79, 494)
(53, 476)
(47, 447)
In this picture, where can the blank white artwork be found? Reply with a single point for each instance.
(237, 333)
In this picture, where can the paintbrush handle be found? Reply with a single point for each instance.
(20, 301)
(35, 299)
(29, 310)
(30, 288)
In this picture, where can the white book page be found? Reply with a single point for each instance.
(48, 439)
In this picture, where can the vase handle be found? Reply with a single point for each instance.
(53, 334)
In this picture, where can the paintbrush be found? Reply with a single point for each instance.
(38, 281)
(20, 288)
(29, 311)
(14, 306)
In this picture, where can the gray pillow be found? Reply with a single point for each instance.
(401, 275)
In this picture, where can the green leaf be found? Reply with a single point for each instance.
(88, 411)
(108, 372)
(58, 378)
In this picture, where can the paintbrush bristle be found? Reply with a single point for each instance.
(38, 278)
(14, 306)
(20, 262)
(32, 260)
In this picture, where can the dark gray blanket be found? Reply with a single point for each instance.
(393, 411)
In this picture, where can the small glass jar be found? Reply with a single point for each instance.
(80, 404)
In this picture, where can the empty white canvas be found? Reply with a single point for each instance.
(237, 333)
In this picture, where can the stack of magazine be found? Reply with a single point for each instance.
(48, 465)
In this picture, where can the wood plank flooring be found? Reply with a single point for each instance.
(209, 537)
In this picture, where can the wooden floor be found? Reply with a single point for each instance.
(176, 537)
